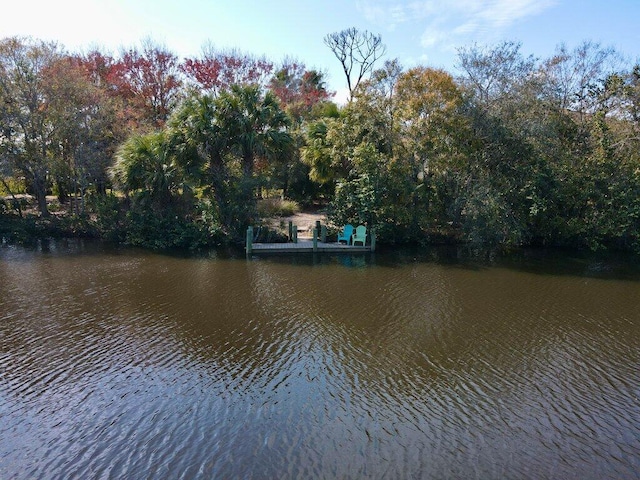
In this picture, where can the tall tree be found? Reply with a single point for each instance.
(494, 73)
(357, 51)
(226, 139)
(570, 75)
(200, 144)
(84, 122)
(432, 128)
(379, 98)
(632, 92)
(27, 130)
(217, 70)
(256, 125)
(303, 95)
(105, 72)
(150, 79)
(431, 149)
(298, 89)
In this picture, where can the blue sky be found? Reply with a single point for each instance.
(417, 32)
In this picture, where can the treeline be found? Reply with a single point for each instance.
(161, 152)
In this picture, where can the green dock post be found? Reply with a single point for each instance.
(315, 239)
(373, 240)
(295, 234)
(323, 234)
(249, 246)
(290, 231)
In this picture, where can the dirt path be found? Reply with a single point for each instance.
(305, 222)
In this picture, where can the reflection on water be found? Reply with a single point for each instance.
(126, 364)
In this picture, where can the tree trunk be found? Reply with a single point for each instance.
(247, 164)
(40, 191)
(218, 176)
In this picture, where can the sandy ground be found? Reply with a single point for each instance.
(304, 220)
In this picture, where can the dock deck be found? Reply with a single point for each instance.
(304, 246)
(313, 244)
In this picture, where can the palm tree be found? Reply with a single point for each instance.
(206, 135)
(199, 143)
(144, 164)
(256, 125)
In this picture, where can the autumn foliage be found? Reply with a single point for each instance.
(513, 152)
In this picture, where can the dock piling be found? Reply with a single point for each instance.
(249, 243)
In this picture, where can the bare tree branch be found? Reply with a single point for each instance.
(357, 52)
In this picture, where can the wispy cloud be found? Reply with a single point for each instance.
(448, 23)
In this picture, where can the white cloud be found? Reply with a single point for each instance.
(506, 12)
(431, 38)
(450, 22)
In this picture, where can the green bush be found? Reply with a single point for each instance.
(169, 230)
(276, 207)
(110, 218)
(17, 186)
(210, 218)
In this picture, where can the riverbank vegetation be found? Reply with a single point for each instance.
(145, 149)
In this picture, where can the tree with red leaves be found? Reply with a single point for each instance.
(217, 71)
(298, 89)
(147, 84)
(84, 128)
(151, 80)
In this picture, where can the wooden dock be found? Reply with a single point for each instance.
(316, 244)
(307, 246)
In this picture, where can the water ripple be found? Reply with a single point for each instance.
(143, 366)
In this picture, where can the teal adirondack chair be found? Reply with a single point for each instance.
(360, 235)
(346, 234)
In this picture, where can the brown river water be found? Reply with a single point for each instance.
(431, 364)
